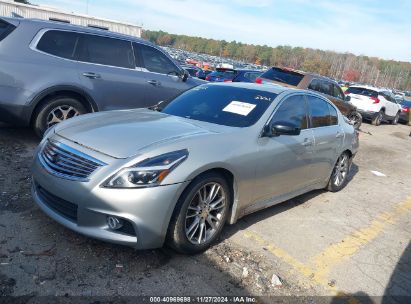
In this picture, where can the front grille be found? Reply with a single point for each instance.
(66, 162)
(59, 205)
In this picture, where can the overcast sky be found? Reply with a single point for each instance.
(380, 28)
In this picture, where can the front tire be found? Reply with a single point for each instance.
(377, 119)
(200, 214)
(56, 110)
(396, 118)
(339, 176)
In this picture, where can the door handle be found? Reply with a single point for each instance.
(339, 135)
(154, 82)
(91, 75)
(307, 142)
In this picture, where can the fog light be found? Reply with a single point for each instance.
(114, 223)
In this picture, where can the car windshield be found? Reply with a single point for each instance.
(284, 76)
(229, 74)
(223, 105)
(361, 91)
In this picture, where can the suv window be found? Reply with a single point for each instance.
(319, 111)
(361, 91)
(252, 76)
(59, 43)
(292, 110)
(283, 75)
(5, 29)
(337, 92)
(155, 61)
(321, 86)
(106, 51)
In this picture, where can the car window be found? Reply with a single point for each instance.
(251, 76)
(5, 29)
(59, 43)
(333, 115)
(106, 51)
(326, 87)
(283, 75)
(223, 105)
(314, 85)
(361, 91)
(319, 112)
(337, 92)
(292, 110)
(155, 61)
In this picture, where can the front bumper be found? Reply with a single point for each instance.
(147, 211)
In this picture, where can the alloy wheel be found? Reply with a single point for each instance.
(341, 170)
(61, 113)
(205, 213)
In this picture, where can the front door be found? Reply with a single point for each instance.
(284, 161)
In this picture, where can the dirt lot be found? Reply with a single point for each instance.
(355, 243)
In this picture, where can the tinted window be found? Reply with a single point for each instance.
(319, 111)
(251, 76)
(361, 91)
(292, 110)
(5, 29)
(337, 92)
(59, 43)
(333, 115)
(155, 61)
(107, 51)
(223, 105)
(284, 76)
(314, 85)
(326, 87)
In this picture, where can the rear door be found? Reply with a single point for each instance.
(161, 75)
(107, 70)
(328, 137)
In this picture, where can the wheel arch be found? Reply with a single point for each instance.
(64, 90)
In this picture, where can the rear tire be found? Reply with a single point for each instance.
(339, 176)
(190, 230)
(55, 110)
(396, 118)
(377, 119)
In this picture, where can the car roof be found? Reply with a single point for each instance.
(259, 87)
(69, 26)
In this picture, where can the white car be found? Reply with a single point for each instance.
(375, 104)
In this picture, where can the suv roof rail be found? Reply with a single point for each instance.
(59, 20)
(98, 27)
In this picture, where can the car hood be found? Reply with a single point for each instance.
(122, 134)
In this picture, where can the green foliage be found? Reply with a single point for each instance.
(370, 70)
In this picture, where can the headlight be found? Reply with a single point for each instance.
(147, 173)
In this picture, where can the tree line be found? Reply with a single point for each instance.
(345, 66)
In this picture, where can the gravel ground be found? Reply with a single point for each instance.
(38, 257)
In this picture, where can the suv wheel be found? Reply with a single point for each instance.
(376, 121)
(396, 118)
(200, 214)
(56, 110)
(356, 119)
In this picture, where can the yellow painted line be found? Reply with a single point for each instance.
(321, 265)
(339, 252)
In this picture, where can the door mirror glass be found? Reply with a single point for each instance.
(347, 98)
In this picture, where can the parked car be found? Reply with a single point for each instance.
(375, 104)
(309, 81)
(233, 75)
(202, 74)
(52, 71)
(212, 155)
(405, 111)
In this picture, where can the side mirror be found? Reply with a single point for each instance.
(347, 98)
(282, 128)
(184, 75)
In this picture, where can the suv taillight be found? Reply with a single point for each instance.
(376, 100)
(406, 110)
(259, 80)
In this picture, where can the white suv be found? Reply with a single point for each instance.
(375, 104)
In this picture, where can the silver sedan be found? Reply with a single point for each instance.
(177, 173)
